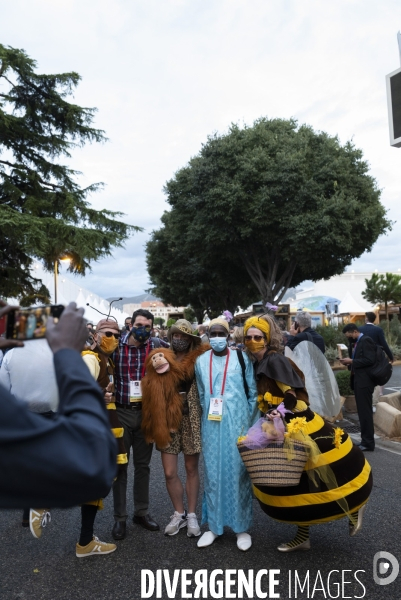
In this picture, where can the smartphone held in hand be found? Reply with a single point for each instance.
(31, 323)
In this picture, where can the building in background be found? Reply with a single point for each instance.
(154, 305)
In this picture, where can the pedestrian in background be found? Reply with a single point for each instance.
(302, 330)
(362, 360)
(203, 332)
(377, 334)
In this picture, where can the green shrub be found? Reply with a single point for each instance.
(331, 354)
(332, 335)
(396, 350)
(344, 383)
(392, 331)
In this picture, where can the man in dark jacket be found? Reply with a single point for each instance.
(376, 333)
(361, 363)
(41, 460)
(301, 331)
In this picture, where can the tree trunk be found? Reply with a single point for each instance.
(387, 320)
(199, 313)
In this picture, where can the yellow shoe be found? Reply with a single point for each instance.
(95, 547)
(286, 548)
(38, 519)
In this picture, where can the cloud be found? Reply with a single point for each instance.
(164, 75)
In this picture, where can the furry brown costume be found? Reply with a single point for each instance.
(161, 402)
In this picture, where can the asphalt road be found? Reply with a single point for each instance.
(394, 385)
(47, 569)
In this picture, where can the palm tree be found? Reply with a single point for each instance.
(384, 289)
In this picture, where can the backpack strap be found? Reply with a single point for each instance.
(242, 363)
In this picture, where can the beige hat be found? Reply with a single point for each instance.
(219, 321)
(107, 325)
(183, 326)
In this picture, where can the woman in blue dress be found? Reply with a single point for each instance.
(228, 398)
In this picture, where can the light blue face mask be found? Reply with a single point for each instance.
(218, 344)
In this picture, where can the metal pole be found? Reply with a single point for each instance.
(55, 281)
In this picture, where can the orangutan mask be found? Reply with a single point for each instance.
(160, 363)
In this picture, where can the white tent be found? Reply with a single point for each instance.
(350, 306)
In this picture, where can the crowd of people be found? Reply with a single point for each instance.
(188, 392)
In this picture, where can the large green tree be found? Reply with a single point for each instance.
(383, 289)
(185, 273)
(285, 203)
(44, 213)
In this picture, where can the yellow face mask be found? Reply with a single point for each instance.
(108, 344)
(255, 346)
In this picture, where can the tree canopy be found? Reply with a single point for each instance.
(185, 273)
(274, 204)
(44, 213)
(383, 289)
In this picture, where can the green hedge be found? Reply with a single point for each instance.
(332, 335)
(343, 381)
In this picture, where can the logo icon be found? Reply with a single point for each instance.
(386, 564)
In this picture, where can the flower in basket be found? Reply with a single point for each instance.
(241, 439)
(338, 433)
(296, 425)
(262, 404)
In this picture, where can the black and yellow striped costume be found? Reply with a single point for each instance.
(306, 504)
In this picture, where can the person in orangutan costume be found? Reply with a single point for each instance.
(171, 416)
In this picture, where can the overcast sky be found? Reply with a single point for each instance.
(166, 73)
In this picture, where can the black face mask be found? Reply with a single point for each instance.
(180, 345)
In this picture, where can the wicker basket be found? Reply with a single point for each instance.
(270, 465)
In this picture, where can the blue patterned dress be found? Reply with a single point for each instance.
(227, 497)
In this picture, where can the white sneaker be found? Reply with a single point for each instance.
(38, 519)
(193, 529)
(178, 521)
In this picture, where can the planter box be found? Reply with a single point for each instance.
(350, 404)
(388, 419)
(338, 417)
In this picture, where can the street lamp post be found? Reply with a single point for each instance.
(66, 261)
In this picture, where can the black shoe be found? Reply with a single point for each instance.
(365, 449)
(147, 522)
(119, 530)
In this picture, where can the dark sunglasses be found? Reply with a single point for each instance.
(147, 327)
(110, 334)
(257, 338)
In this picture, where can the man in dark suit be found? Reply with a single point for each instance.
(376, 333)
(363, 359)
(71, 458)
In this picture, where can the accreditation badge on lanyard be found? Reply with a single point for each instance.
(135, 385)
(216, 402)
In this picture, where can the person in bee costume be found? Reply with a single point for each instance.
(346, 480)
(98, 360)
